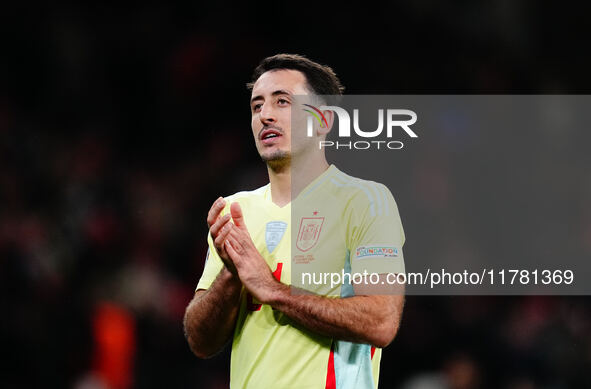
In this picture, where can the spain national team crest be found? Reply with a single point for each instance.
(309, 232)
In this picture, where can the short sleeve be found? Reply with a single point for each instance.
(213, 266)
(376, 233)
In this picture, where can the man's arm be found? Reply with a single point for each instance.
(372, 319)
(366, 319)
(211, 316)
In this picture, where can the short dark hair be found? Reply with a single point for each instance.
(321, 79)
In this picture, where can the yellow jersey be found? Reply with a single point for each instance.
(337, 223)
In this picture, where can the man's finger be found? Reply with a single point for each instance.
(224, 231)
(230, 250)
(237, 215)
(236, 248)
(217, 226)
(215, 210)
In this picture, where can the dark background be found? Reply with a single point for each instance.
(120, 125)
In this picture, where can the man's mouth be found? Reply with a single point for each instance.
(268, 135)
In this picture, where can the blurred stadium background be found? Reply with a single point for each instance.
(119, 125)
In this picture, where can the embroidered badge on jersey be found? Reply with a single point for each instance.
(310, 228)
(273, 234)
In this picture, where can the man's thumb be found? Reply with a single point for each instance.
(237, 216)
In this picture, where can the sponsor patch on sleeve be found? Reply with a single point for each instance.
(377, 251)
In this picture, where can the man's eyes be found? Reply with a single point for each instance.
(280, 101)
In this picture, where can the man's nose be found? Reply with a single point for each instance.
(267, 114)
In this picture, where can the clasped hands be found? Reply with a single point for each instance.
(234, 245)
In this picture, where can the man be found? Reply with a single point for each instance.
(283, 339)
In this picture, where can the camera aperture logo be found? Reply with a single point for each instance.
(323, 122)
(394, 119)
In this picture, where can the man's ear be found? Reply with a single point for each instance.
(329, 115)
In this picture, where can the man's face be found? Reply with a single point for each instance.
(270, 106)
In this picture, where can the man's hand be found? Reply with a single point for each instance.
(219, 227)
(252, 269)
(363, 319)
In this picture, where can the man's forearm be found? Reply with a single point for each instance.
(362, 319)
(211, 315)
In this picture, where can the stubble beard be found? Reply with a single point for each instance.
(277, 160)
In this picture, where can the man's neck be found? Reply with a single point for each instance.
(290, 180)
